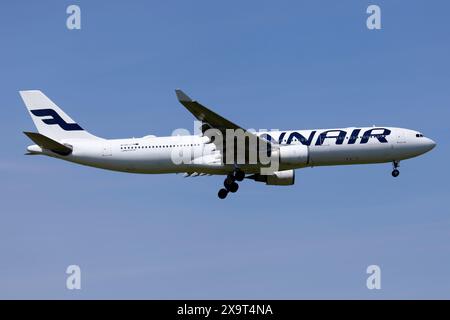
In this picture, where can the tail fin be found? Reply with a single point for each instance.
(50, 120)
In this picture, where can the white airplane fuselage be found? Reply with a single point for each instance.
(153, 155)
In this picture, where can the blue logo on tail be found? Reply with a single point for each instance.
(55, 119)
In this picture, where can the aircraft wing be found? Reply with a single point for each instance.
(204, 114)
(212, 120)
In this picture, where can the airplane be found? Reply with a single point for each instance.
(204, 153)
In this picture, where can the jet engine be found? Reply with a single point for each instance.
(278, 178)
(294, 154)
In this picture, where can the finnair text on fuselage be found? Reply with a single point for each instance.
(338, 136)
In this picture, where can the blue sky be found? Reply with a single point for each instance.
(262, 64)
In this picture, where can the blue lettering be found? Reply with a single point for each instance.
(324, 135)
(380, 136)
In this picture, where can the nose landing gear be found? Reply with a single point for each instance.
(395, 172)
(230, 183)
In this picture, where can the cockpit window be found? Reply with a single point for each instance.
(419, 135)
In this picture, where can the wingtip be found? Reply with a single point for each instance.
(29, 91)
(181, 96)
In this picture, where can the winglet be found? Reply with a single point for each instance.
(182, 97)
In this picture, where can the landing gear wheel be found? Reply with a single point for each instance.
(395, 172)
(239, 175)
(222, 193)
(230, 186)
(233, 187)
(228, 182)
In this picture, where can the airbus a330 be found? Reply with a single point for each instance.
(61, 137)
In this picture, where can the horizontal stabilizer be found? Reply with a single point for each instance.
(49, 144)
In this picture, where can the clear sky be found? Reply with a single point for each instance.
(261, 64)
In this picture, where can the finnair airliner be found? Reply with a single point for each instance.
(60, 137)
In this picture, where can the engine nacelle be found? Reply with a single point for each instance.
(278, 178)
(281, 178)
(294, 154)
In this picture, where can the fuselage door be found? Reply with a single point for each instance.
(400, 137)
(107, 152)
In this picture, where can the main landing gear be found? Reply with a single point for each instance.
(230, 183)
(395, 172)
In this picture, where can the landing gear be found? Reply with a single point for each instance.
(395, 172)
(233, 187)
(239, 175)
(230, 183)
(229, 180)
(223, 193)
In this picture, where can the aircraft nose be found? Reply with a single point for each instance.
(430, 144)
